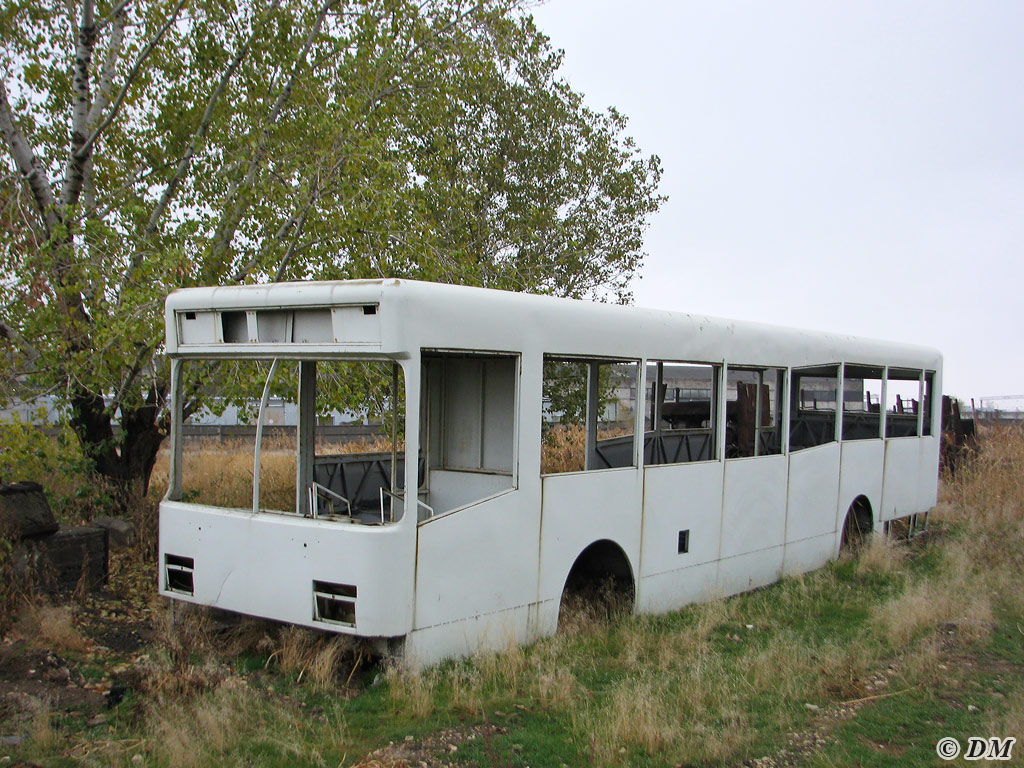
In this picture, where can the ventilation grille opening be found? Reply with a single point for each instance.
(235, 327)
(330, 604)
(178, 574)
(684, 541)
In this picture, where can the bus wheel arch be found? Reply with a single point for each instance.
(858, 524)
(600, 582)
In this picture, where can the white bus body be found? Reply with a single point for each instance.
(480, 556)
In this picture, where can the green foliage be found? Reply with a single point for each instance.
(246, 142)
(566, 382)
(51, 457)
(365, 387)
(11, 587)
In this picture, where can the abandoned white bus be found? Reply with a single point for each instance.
(551, 444)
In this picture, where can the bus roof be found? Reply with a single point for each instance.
(395, 317)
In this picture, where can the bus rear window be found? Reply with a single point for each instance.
(862, 402)
(902, 396)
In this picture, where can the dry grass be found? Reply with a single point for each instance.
(988, 491)
(593, 612)
(986, 501)
(220, 472)
(688, 696)
(555, 687)
(53, 627)
(412, 691)
(42, 735)
(1009, 722)
(197, 711)
(16, 583)
(881, 554)
(957, 595)
(182, 663)
(232, 720)
(689, 712)
(191, 657)
(315, 656)
(564, 448)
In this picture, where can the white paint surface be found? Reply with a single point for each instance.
(491, 566)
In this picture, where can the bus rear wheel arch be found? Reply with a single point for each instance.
(599, 587)
(858, 525)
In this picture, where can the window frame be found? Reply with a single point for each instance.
(637, 422)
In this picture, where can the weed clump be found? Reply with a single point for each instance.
(52, 627)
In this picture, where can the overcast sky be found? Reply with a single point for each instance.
(855, 166)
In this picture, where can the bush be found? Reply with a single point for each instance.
(52, 457)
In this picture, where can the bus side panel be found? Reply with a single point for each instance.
(754, 505)
(492, 631)
(581, 508)
(749, 571)
(673, 590)
(813, 492)
(902, 470)
(808, 554)
(681, 497)
(478, 560)
(928, 481)
(678, 498)
(753, 523)
(863, 464)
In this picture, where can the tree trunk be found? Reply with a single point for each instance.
(124, 456)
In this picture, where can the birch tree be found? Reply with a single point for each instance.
(154, 144)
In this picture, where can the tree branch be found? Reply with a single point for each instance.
(299, 226)
(86, 148)
(29, 166)
(74, 170)
(282, 232)
(229, 223)
(293, 223)
(109, 68)
(199, 136)
(8, 333)
(102, 100)
(117, 10)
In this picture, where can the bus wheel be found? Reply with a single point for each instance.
(598, 590)
(858, 525)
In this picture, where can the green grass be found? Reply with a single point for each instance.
(869, 661)
(814, 639)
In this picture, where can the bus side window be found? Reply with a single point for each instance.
(812, 410)
(588, 414)
(468, 426)
(862, 402)
(902, 397)
(679, 425)
(929, 402)
(753, 411)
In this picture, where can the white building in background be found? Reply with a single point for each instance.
(42, 410)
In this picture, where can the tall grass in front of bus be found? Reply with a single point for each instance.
(869, 661)
(880, 654)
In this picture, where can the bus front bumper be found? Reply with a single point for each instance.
(336, 576)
